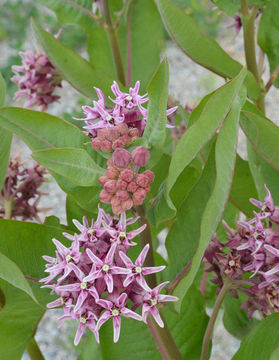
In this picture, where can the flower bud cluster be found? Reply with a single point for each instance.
(123, 186)
(37, 79)
(253, 249)
(20, 190)
(94, 277)
(119, 136)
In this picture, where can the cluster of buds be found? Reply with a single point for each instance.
(119, 136)
(123, 185)
(37, 79)
(253, 250)
(94, 277)
(20, 195)
(127, 109)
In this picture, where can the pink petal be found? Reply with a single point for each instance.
(141, 281)
(109, 281)
(272, 271)
(136, 232)
(69, 287)
(152, 270)
(79, 333)
(164, 298)
(127, 261)
(116, 328)
(272, 250)
(106, 304)
(115, 270)
(121, 300)
(130, 314)
(110, 254)
(80, 300)
(80, 275)
(104, 317)
(55, 303)
(141, 258)
(60, 247)
(155, 313)
(128, 280)
(158, 288)
(94, 258)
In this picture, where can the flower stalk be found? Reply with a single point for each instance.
(34, 351)
(114, 43)
(210, 325)
(162, 336)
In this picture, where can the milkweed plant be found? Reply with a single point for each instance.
(135, 164)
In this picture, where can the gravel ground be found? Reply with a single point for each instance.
(188, 84)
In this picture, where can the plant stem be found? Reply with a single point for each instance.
(177, 280)
(273, 77)
(8, 208)
(210, 325)
(162, 336)
(114, 43)
(248, 21)
(34, 351)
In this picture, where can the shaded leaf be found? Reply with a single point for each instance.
(76, 70)
(40, 130)
(200, 47)
(73, 164)
(2, 90)
(5, 145)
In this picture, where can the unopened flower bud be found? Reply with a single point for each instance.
(150, 175)
(122, 195)
(142, 180)
(127, 204)
(121, 184)
(140, 156)
(134, 132)
(132, 187)
(103, 179)
(105, 197)
(110, 186)
(112, 173)
(122, 128)
(121, 158)
(96, 144)
(139, 196)
(118, 144)
(106, 146)
(127, 175)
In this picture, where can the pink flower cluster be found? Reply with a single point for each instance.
(94, 277)
(123, 185)
(127, 109)
(37, 79)
(119, 136)
(253, 249)
(20, 190)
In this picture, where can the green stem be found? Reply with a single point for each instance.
(162, 336)
(248, 20)
(114, 43)
(8, 208)
(34, 351)
(210, 325)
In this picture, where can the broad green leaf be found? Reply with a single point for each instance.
(70, 12)
(24, 243)
(40, 130)
(261, 342)
(263, 136)
(18, 321)
(136, 341)
(197, 135)
(236, 320)
(144, 20)
(231, 7)
(2, 90)
(155, 131)
(225, 154)
(91, 349)
(183, 237)
(10, 272)
(200, 47)
(74, 211)
(5, 145)
(268, 35)
(73, 164)
(76, 70)
(243, 187)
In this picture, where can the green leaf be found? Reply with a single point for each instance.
(155, 131)
(91, 349)
(243, 187)
(68, 13)
(18, 321)
(10, 272)
(200, 47)
(136, 341)
(181, 245)
(263, 136)
(267, 333)
(236, 320)
(268, 35)
(225, 154)
(76, 70)
(2, 90)
(40, 130)
(143, 20)
(73, 164)
(231, 7)
(25, 243)
(197, 135)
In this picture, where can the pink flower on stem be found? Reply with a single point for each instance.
(151, 299)
(114, 310)
(105, 268)
(136, 269)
